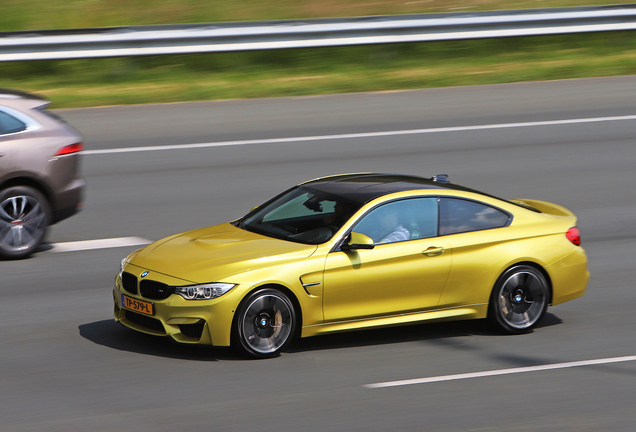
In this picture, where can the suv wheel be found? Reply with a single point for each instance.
(24, 217)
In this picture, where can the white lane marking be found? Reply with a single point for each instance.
(500, 372)
(99, 244)
(357, 135)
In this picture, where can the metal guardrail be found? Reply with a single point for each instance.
(262, 35)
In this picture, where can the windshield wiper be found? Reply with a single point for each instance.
(239, 224)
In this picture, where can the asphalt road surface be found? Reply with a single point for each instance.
(161, 169)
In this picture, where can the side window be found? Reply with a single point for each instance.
(10, 124)
(458, 216)
(396, 221)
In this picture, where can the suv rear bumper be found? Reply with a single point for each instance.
(69, 201)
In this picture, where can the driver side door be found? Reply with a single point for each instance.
(401, 276)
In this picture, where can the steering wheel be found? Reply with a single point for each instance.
(314, 236)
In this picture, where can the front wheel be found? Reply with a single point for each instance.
(519, 299)
(264, 323)
(24, 217)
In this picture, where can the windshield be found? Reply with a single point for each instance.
(301, 215)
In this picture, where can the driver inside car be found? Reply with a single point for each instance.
(393, 229)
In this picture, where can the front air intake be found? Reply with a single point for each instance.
(145, 321)
(192, 330)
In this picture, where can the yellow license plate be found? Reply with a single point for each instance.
(140, 306)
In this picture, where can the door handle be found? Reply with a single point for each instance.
(433, 251)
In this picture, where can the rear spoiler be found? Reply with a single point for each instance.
(19, 94)
(544, 207)
(36, 101)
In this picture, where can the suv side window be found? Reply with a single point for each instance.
(10, 124)
(458, 216)
(407, 219)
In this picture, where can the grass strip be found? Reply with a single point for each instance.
(65, 14)
(159, 79)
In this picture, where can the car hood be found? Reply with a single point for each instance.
(215, 253)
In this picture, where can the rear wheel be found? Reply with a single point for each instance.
(24, 218)
(519, 299)
(264, 323)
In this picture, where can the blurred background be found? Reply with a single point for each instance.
(273, 73)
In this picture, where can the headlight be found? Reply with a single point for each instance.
(121, 266)
(204, 291)
(126, 261)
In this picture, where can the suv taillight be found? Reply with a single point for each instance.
(69, 149)
(574, 235)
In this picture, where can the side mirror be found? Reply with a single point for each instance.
(357, 241)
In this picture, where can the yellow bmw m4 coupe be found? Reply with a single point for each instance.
(354, 251)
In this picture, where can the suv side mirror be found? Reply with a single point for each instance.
(357, 241)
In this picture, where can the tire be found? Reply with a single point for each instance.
(24, 217)
(519, 299)
(264, 324)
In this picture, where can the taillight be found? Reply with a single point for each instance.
(574, 235)
(69, 149)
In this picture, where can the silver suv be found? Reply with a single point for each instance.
(39, 172)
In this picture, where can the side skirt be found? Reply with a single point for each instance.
(457, 313)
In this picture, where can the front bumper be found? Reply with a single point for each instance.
(202, 322)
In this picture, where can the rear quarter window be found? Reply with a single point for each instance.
(10, 124)
(459, 216)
